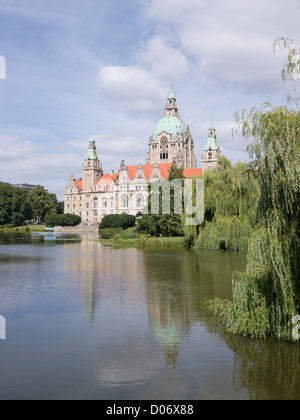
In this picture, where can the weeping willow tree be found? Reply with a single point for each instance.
(266, 297)
(231, 200)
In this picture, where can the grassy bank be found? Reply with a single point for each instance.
(23, 229)
(145, 242)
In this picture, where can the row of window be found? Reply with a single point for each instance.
(104, 203)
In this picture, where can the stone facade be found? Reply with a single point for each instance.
(96, 194)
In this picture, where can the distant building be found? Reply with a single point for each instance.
(25, 186)
(126, 192)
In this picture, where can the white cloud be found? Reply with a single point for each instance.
(231, 40)
(130, 89)
(165, 61)
(23, 161)
(13, 149)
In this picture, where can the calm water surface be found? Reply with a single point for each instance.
(92, 322)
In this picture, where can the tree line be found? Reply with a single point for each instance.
(18, 205)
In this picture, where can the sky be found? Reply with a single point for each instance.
(103, 68)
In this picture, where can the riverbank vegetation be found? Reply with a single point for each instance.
(131, 237)
(22, 229)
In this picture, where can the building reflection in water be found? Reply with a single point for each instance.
(172, 285)
(96, 272)
(169, 313)
(171, 288)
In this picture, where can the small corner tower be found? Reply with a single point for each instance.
(91, 168)
(212, 151)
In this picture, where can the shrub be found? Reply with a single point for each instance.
(62, 220)
(123, 221)
(109, 233)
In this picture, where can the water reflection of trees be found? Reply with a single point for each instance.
(268, 369)
(176, 295)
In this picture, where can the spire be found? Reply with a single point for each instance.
(212, 126)
(171, 106)
(172, 94)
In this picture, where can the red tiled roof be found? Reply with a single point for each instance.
(148, 170)
(132, 171)
(189, 172)
(78, 184)
(112, 177)
(163, 167)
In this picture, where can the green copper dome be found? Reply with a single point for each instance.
(212, 143)
(171, 125)
(92, 152)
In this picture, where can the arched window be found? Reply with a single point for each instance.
(140, 201)
(87, 205)
(95, 203)
(104, 203)
(124, 201)
(112, 202)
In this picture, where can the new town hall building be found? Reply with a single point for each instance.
(97, 194)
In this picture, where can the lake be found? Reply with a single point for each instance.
(85, 321)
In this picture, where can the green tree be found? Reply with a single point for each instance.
(163, 224)
(41, 203)
(175, 173)
(13, 205)
(231, 201)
